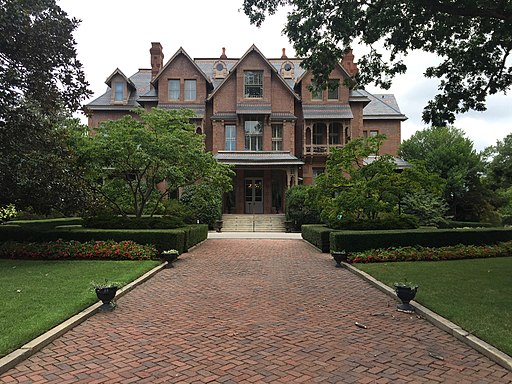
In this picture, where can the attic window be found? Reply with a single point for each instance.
(220, 70)
(287, 70)
(118, 91)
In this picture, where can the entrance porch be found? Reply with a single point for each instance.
(261, 181)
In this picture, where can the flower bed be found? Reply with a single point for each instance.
(60, 249)
(455, 252)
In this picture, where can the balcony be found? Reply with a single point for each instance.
(320, 149)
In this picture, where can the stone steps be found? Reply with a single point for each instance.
(253, 223)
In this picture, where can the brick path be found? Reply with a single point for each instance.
(235, 311)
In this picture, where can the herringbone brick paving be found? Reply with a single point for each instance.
(249, 311)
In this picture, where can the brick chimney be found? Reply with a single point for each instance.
(157, 59)
(283, 56)
(348, 63)
(223, 56)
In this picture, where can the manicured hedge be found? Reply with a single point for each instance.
(356, 241)
(163, 239)
(318, 235)
(194, 234)
(75, 250)
(119, 222)
(416, 253)
(464, 224)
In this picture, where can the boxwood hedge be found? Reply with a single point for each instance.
(355, 241)
(318, 235)
(180, 239)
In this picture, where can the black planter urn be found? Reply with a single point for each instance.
(170, 258)
(106, 295)
(405, 294)
(339, 257)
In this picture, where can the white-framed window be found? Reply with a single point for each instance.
(253, 135)
(190, 89)
(333, 90)
(253, 84)
(277, 137)
(230, 137)
(174, 89)
(118, 91)
(374, 133)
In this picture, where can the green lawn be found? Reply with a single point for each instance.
(476, 294)
(37, 295)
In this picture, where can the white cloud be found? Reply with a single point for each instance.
(117, 33)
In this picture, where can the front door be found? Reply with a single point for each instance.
(253, 195)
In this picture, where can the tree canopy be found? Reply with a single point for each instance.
(135, 163)
(472, 37)
(41, 82)
(358, 186)
(446, 152)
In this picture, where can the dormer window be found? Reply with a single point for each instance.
(118, 91)
(253, 84)
(220, 70)
(287, 70)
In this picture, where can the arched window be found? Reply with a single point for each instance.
(199, 131)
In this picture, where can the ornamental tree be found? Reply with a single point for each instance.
(135, 163)
(472, 38)
(354, 188)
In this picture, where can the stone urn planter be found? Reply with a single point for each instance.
(288, 225)
(339, 257)
(170, 256)
(106, 292)
(218, 225)
(405, 292)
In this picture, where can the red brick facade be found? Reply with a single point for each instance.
(257, 114)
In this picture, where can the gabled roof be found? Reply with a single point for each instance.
(140, 86)
(272, 68)
(120, 73)
(381, 106)
(337, 64)
(180, 51)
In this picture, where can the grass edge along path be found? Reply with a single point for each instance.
(38, 295)
(475, 294)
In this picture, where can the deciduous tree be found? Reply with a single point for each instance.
(136, 163)
(472, 38)
(41, 81)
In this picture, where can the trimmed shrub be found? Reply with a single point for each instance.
(386, 222)
(120, 222)
(455, 252)
(203, 203)
(299, 208)
(356, 241)
(318, 235)
(194, 234)
(464, 224)
(75, 250)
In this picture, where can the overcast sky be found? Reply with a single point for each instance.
(118, 34)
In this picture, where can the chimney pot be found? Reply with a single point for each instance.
(283, 56)
(223, 56)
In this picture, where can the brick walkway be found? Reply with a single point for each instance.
(235, 311)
